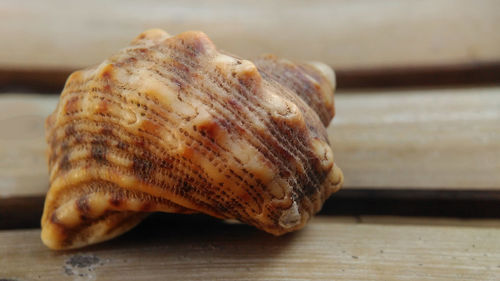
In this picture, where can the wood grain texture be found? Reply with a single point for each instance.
(360, 34)
(23, 167)
(327, 249)
(425, 139)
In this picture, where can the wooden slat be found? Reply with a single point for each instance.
(419, 152)
(327, 249)
(424, 139)
(23, 167)
(395, 220)
(447, 139)
(346, 34)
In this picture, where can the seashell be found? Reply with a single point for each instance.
(171, 124)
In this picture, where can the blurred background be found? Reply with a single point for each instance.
(369, 43)
(417, 130)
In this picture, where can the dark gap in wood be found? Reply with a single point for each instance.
(418, 194)
(25, 212)
(446, 75)
(52, 80)
(35, 80)
(21, 212)
(418, 203)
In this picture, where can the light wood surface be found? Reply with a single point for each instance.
(346, 34)
(23, 167)
(327, 249)
(416, 139)
(424, 139)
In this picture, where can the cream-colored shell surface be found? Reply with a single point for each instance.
(171, 124)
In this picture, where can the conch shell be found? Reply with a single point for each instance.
(171, 124)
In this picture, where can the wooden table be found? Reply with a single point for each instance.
(422, 164)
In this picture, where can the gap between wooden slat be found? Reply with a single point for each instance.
(26, 211)
(52, 80)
